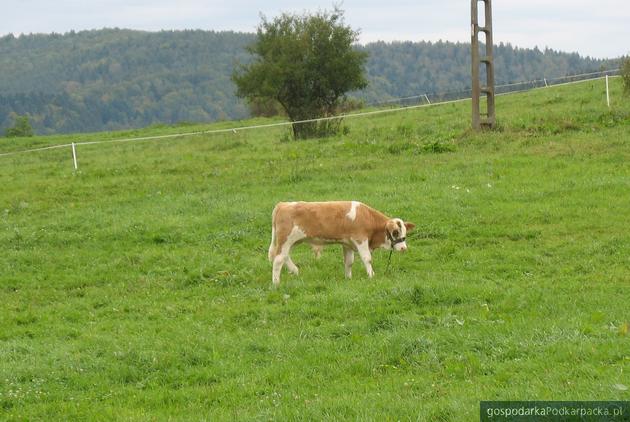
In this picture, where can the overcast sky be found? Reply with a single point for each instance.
(596, 28)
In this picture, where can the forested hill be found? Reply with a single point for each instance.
(115, 79)
(404, 68)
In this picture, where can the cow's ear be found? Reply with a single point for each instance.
(409, 226)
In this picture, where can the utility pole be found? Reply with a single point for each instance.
(487, 59)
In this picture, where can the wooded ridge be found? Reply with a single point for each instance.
(112, 79)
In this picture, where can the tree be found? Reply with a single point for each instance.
(22, 127)
(264, 107)
(306, 64)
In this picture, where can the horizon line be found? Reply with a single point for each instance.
(365, 43)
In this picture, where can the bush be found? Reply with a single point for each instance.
(306, 64)
(22, 127)
(265, 107)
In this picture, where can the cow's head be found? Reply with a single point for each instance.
(396, 234)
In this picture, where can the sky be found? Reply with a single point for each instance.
(596, 28)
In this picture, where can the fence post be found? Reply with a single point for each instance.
(74, 156)
(546, 86)
(607, 93)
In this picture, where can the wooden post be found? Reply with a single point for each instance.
(488, 60)
(489, 66)
(474, 48)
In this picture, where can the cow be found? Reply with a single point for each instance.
(352, 224)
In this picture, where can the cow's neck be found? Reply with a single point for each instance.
(377, 237)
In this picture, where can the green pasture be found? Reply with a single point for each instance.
(138, 287)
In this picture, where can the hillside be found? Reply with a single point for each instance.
(115, 79)
(138, 288)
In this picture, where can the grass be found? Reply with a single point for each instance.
(138, 288)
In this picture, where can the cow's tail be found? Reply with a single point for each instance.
(273, 247)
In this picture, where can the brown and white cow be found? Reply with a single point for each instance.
(356, 226)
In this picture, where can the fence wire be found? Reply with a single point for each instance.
(511, 87)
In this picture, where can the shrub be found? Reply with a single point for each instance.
(22, 127)
(306, 64)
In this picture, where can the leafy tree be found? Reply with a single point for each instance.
(22, 127)
(264, 107)
(305, 63)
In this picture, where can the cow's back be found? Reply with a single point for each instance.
(334, 220)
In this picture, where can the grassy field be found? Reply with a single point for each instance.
(138, 288)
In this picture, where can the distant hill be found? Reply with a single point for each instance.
(402, 69)
(115, 79)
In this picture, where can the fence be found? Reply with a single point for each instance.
(388, 106)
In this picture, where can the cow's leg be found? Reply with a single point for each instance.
(366, 256)
(291, 266)
(276, 256)
(282, 258)
(348, 259)
(317, 250)
(272, 245)
(278, 262)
